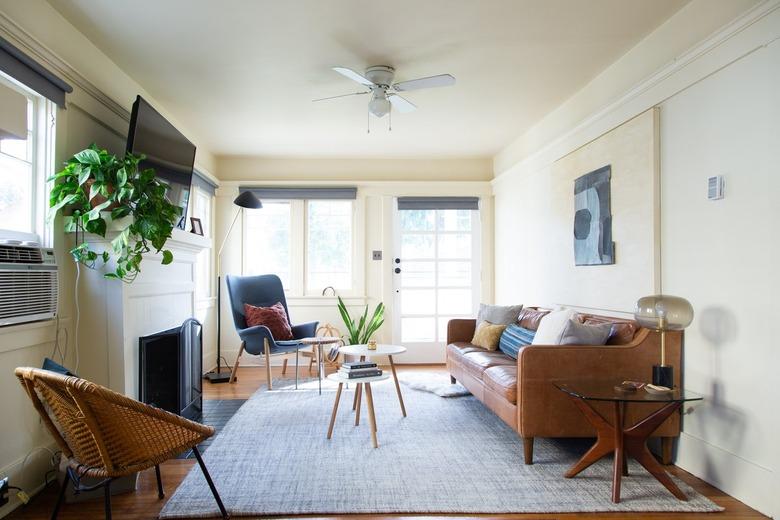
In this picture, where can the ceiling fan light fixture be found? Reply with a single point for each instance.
(379, 106)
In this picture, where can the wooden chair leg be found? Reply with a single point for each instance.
(268, 365)
(284, 367)
(234, 372)
(528, 450)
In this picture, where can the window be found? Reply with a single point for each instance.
(24, 167)
(309, 244)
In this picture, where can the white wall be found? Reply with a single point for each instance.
(719, 109)
(97, 111)
(723, 256)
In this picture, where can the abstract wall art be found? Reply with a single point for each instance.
(593, 219)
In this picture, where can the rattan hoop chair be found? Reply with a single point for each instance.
(105, 435)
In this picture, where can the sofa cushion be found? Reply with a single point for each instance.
(576, 333)
(621, 333)
(498, 314)
(461, 348)
(502, 379)
(514, 337)
(477, 362)
(487, 335)
(551, 327)
(529, 318)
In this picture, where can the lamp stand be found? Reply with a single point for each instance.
(663, 374)
(218, 376)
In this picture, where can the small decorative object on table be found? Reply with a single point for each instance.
(197, 226)
(662, 312)
(371, 344)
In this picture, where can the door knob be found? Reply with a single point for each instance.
(397, 270)
(397, 260)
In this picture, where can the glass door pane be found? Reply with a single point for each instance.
(436, 270)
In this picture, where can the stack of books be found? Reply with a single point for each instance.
(358, 369)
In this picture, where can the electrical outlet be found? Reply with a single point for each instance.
(23, 497)
(376, 255)
(4, 491)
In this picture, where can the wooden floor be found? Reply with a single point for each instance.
(143, 504)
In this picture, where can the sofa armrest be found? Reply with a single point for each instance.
(460, 330)
(545, 411)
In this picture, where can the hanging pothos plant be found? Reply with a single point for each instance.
(94, 184)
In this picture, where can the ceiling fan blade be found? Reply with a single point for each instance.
(354, 76)
(403, 105)
(340, 96)
(442, 80)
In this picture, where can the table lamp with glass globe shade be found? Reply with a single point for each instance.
(661, 313)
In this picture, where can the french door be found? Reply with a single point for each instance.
(436, 273)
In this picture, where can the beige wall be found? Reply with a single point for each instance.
(97, 111)
(718, 115)
(241, 168)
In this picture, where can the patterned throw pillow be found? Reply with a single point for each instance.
(514, 337)
(487, 335)
(272, 317)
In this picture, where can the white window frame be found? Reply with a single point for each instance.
(43, 133)
(208, 227)
(298, 250)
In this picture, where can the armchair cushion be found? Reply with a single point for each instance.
(273, 317)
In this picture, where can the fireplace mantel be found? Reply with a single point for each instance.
(115, 314)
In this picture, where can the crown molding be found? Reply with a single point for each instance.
(26, 42)
(707, 46)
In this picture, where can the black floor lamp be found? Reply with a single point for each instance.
(246, 199)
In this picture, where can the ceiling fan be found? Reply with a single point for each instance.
(378, 81)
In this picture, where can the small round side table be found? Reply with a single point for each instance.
(381, 350)
(318, 342)
(359, 382)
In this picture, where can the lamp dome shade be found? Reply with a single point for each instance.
(663, 312)
(249, 200)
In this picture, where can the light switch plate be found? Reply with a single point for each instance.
(376, 255)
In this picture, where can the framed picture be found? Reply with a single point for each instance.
(197, 227)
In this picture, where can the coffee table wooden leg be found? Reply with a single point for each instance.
(617, 466)
(371, 416)
(335, 409)
(397, 386)
(358, 394)
(605, 439)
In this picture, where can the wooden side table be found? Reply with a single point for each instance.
(381, 350)
(359, 383)
(318, 342)
(615, 437)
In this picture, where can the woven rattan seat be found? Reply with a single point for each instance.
(106, 435)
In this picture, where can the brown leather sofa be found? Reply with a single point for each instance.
(521, 392)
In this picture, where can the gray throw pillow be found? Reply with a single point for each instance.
(576, 333)
(498, 314)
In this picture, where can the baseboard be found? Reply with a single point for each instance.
(740, 478)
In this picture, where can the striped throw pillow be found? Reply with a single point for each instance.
(514, 337)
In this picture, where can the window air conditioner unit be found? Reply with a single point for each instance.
(29, 283)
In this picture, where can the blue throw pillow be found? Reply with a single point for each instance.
(514, 337)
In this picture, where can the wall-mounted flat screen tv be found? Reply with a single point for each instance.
(167, 151)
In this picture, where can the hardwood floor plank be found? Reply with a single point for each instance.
(144, 504)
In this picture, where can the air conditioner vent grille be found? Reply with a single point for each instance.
(20, 255)
(26, 295)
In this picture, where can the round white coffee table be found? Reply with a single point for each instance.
(381, 350)
(359, 382)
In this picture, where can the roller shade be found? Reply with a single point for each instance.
(203, 182)
(26, 70)
(273, 192)
(13, 114)
(438, 202)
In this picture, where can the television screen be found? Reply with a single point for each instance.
(167, 151)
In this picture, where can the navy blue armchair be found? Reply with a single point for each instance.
(263, 291)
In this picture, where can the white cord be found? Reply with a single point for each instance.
(78, 318)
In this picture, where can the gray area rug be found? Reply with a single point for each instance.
(447, 456)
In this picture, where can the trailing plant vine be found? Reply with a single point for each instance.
(95, 183)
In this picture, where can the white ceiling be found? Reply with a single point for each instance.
(242, 73)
